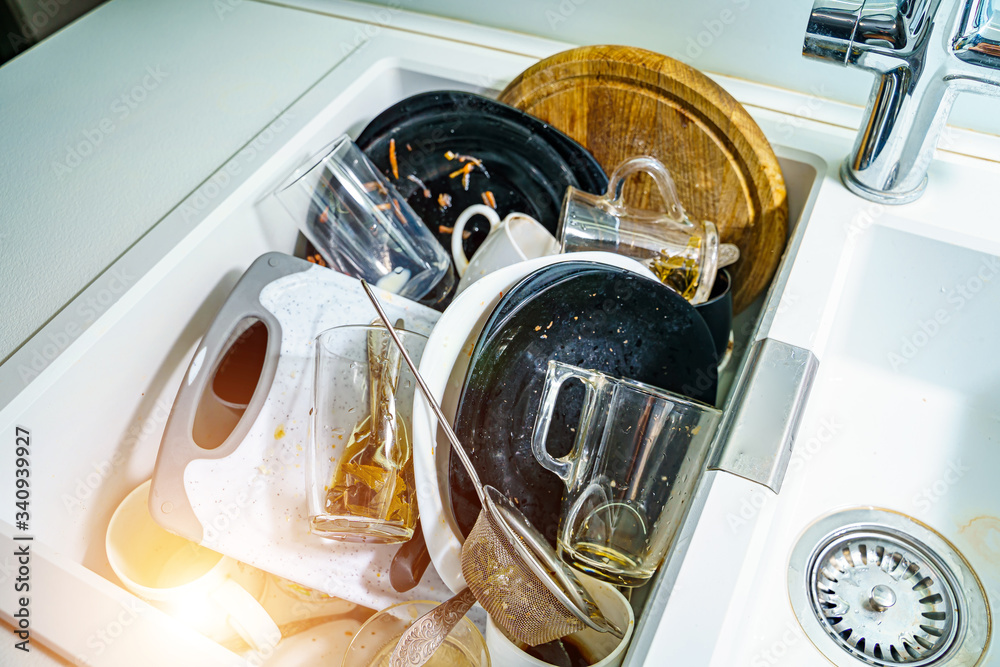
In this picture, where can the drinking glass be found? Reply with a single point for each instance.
(638, 454)
(363, 227)
(360, 468)
(373, 644)
(683, 254)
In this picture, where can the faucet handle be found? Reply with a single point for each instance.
(978, 38)
(831, 28)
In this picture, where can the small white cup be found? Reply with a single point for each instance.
(517, 238)
(214, 594)
(605, 648)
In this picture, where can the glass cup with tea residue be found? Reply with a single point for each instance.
(638, 455)
(360, 466)
(685, 255)
(374, 643)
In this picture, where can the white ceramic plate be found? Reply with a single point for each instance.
(443, 366)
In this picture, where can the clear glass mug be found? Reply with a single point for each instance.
(360, 482)
(363, 227)
(683, 254)
(638, 454)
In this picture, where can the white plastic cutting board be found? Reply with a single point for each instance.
(246, 498)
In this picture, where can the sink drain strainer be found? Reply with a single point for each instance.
(876, 587)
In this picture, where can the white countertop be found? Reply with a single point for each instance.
(111, 122)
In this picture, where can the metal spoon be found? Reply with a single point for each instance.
(418, 643)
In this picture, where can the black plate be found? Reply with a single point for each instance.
(530, 163)
(582, 313)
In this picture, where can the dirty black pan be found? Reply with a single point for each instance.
(527, 164)
(582, 313)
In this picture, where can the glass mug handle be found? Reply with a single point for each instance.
(457, 251)
(660, 176)
(555, 376)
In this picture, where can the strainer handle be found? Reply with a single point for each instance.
(556, 374)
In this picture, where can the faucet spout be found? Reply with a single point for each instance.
(923, 53)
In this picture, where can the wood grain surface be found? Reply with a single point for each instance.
(622, 101)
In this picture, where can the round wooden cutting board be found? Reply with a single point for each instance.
(622, 101)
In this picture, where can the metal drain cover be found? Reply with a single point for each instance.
(876, 587)
(883, 600)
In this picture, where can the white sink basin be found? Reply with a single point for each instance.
(903, 415)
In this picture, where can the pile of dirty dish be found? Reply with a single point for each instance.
(627, 336)
(487, 327)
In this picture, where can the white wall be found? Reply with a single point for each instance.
(760, 40)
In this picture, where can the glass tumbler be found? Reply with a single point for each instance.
(363, 227)
(360, 466)
(683, 254)
(372, 646)
(638, 454)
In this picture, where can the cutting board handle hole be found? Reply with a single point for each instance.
(233, 383)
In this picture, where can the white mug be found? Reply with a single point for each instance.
(517, 238)
(602, 648)
(214, 594)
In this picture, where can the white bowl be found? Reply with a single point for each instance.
(443, 366)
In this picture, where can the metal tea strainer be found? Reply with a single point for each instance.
(511, 569)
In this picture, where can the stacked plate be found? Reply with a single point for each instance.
(485, 362)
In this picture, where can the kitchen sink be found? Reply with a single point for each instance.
(95, 403)
(902, 416)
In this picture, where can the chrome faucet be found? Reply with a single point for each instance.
(923, 53)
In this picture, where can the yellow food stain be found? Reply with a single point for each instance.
(984, 534)
(298, 447)
(695, 430)
(279, 432)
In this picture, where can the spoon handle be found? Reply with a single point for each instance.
(449, 431)
(418, 643)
